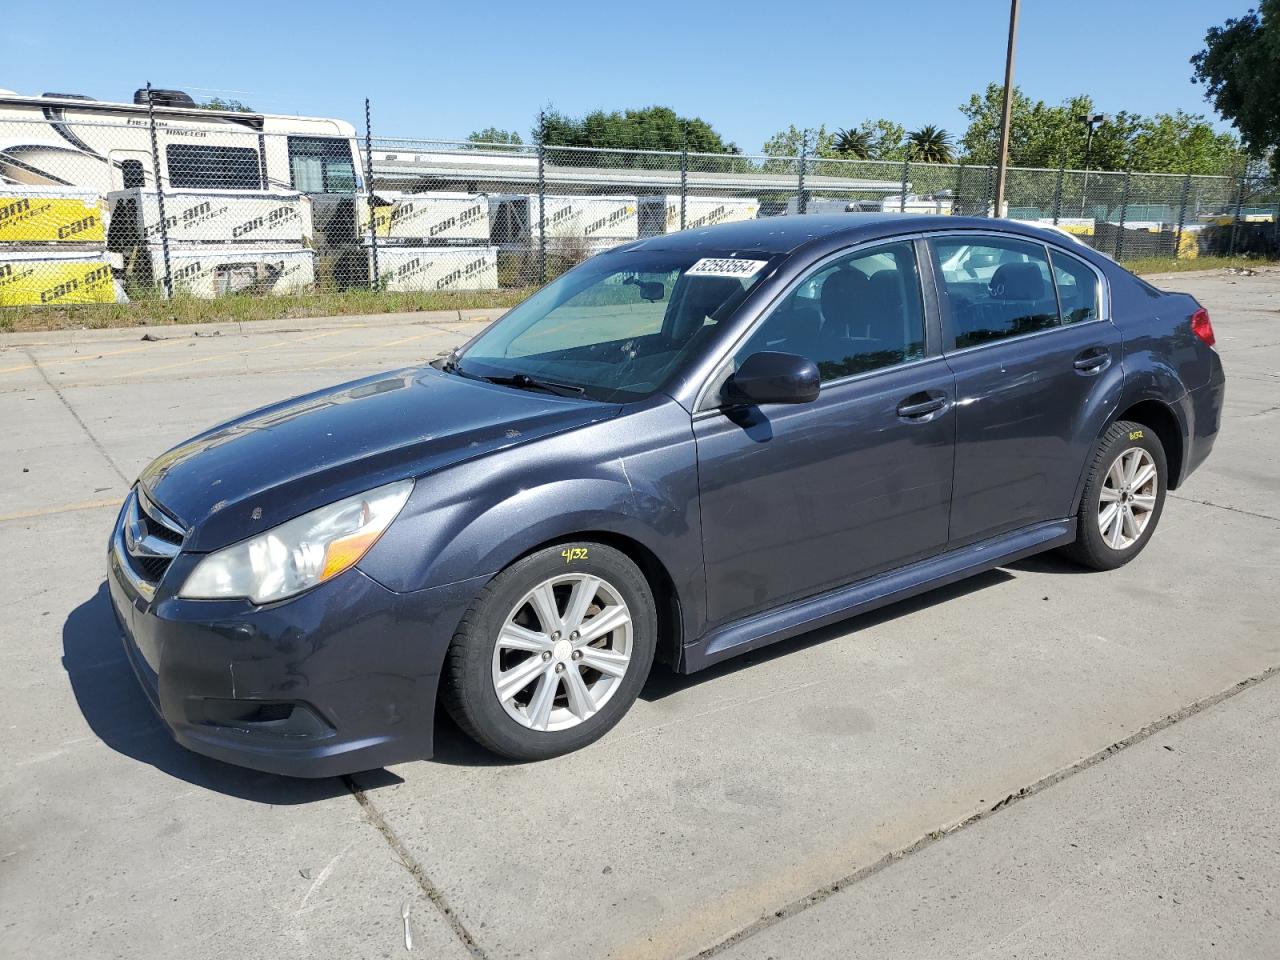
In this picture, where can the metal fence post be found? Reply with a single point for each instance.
(684, 174)
(375, 277)
(986, 195)
(906, 173)
(1057, 192)
(155, 167)
(1124, 209)
(802, 202)
(1182, 215)
(542, 196)
(957, 206)
(1235, 219)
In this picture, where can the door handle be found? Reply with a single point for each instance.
(1092, 360)
(920, 405)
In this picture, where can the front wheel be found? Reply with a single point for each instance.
(1123, 497)
(553, 652)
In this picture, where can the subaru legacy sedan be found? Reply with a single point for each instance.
(681, 450)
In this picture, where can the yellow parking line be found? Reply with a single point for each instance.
(65, 508)
(86, 359)
(231, 353)
(377, 346)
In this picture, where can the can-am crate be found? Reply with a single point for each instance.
(248, 217)
(661, 214)
(515, 218)
(61, 216)
(215, 271)
(431, 217)
(403, 268)
(31, 278)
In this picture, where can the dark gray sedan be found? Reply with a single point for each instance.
(681, 450)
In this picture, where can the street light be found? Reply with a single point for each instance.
(1090, 120)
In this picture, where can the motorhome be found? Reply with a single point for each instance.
(59, 139)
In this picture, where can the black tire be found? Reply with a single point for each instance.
(469, 692)
(1091, 548)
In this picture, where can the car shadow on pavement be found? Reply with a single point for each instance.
(119, 713)
(663, 681)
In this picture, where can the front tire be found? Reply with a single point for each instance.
(553, 652)
(1123, 497)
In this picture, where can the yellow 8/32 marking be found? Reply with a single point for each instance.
(1135, 434)
(571, 554)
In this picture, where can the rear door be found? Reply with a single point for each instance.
(800, 498)
(1030, 371)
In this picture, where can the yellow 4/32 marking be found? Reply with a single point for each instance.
(1135, 434)
(573, 553)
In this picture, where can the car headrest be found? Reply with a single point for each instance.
(1017, 281)
(841, 293)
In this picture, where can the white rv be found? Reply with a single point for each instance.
(76, 141)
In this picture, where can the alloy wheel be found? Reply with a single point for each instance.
(562, 652)
(1127, 498)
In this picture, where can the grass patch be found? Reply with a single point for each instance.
(243, 307)
(1144, 265)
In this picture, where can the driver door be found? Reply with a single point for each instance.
(798, 499)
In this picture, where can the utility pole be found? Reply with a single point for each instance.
(1003, 161)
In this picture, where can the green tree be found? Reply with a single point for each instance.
(1044, 135)
(233, 106)
(651, 128)
(789, 142)
(853, 143)
(494, 135)
(930, 144)
(1240, 68)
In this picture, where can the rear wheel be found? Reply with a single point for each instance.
(1123, 497)
(553, 652)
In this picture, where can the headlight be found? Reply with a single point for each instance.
(301, 553)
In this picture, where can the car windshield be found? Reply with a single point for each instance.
(616, 327)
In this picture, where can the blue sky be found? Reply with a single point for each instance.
(750, 68)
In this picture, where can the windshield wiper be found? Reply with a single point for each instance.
(525, 382)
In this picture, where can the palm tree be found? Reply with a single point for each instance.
(930, 144)
(854, 144)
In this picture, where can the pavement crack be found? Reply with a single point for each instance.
(415, 869)
(1017, 796)
(72, 410)
(1220, 506)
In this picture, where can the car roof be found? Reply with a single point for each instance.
(785, 234)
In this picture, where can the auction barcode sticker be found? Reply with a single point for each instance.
(726, 267)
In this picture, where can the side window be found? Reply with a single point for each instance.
(995, 287)
(860, 313)
(1077, 288)
(199, 166)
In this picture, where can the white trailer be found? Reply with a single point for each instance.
(211, 271)
(210, 216)
(596, 219)
(432, 217)
(100, 146)
(661, 214)
(404, 268)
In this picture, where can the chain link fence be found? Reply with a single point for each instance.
(163, 200)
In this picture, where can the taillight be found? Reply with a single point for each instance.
(1201, 326)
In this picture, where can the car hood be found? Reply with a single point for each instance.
(276, 463)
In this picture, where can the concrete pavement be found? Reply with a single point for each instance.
(722, 799)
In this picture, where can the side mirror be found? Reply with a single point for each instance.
(769, 377)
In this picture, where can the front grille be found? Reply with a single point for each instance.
(151, 539)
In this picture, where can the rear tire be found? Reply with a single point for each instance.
(1123, 497)
(553, 652)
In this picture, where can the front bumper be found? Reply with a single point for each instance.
(340, 679)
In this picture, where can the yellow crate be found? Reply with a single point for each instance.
(47, 215)
(27, 281)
